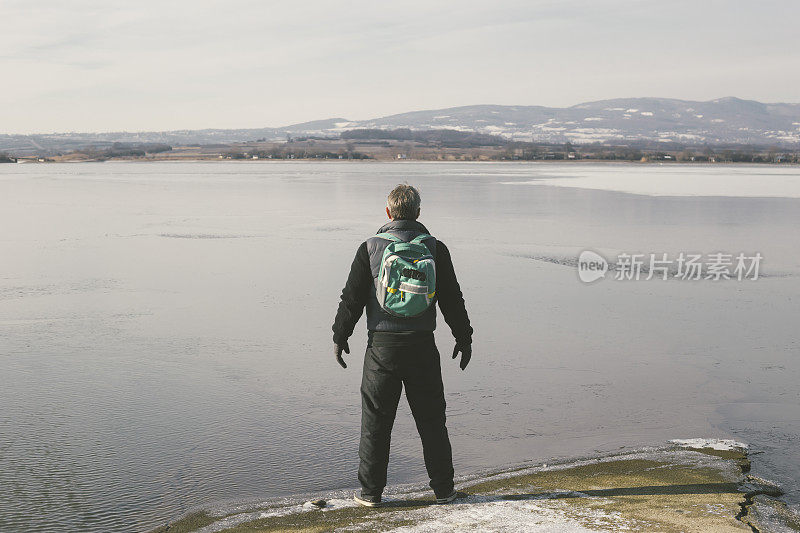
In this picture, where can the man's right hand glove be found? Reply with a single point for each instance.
(337, 351)
(466, 354)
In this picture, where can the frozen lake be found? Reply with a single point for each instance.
(165, 337)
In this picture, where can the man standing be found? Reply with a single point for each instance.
(400, 347)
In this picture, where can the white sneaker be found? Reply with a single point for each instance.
(451, 497)
(372, 501)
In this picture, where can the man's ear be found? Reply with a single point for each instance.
(388, 214)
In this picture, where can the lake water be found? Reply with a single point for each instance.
(165, 336)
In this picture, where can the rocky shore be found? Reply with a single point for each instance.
(690, 486)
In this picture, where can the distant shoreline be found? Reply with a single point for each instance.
(403, 145)
(397, 161)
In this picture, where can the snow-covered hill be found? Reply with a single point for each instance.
(726, 120)
(623, 120)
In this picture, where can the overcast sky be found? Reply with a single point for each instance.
(101, 65)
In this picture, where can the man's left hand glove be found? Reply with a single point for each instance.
(337, 351)
(466, 354)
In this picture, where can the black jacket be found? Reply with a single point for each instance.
(360, 284)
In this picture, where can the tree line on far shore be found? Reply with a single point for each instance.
(444, 144)
(118, 149)
(529, 151)
(287, 152)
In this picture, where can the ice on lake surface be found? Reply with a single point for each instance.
(165, 327)
(680, 180)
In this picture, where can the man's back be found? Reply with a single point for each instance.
(401, 352)
(359, 291)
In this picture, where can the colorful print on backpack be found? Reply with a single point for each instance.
(406, 281)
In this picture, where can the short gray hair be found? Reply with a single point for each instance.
(404, 202)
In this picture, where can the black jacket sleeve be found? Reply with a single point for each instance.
(354, 296)
(451, 301)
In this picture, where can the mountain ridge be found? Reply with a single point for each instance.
(725, 120)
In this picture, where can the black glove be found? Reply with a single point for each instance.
(337, 351)
(466, 354)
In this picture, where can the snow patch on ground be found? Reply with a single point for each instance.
(489, 514)
(241, 518)
(714, 444)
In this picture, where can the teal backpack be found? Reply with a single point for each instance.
(406, 281)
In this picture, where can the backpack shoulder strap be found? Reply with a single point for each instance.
(389, 237)
(419, 238)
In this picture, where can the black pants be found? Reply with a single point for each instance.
(389, 364)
